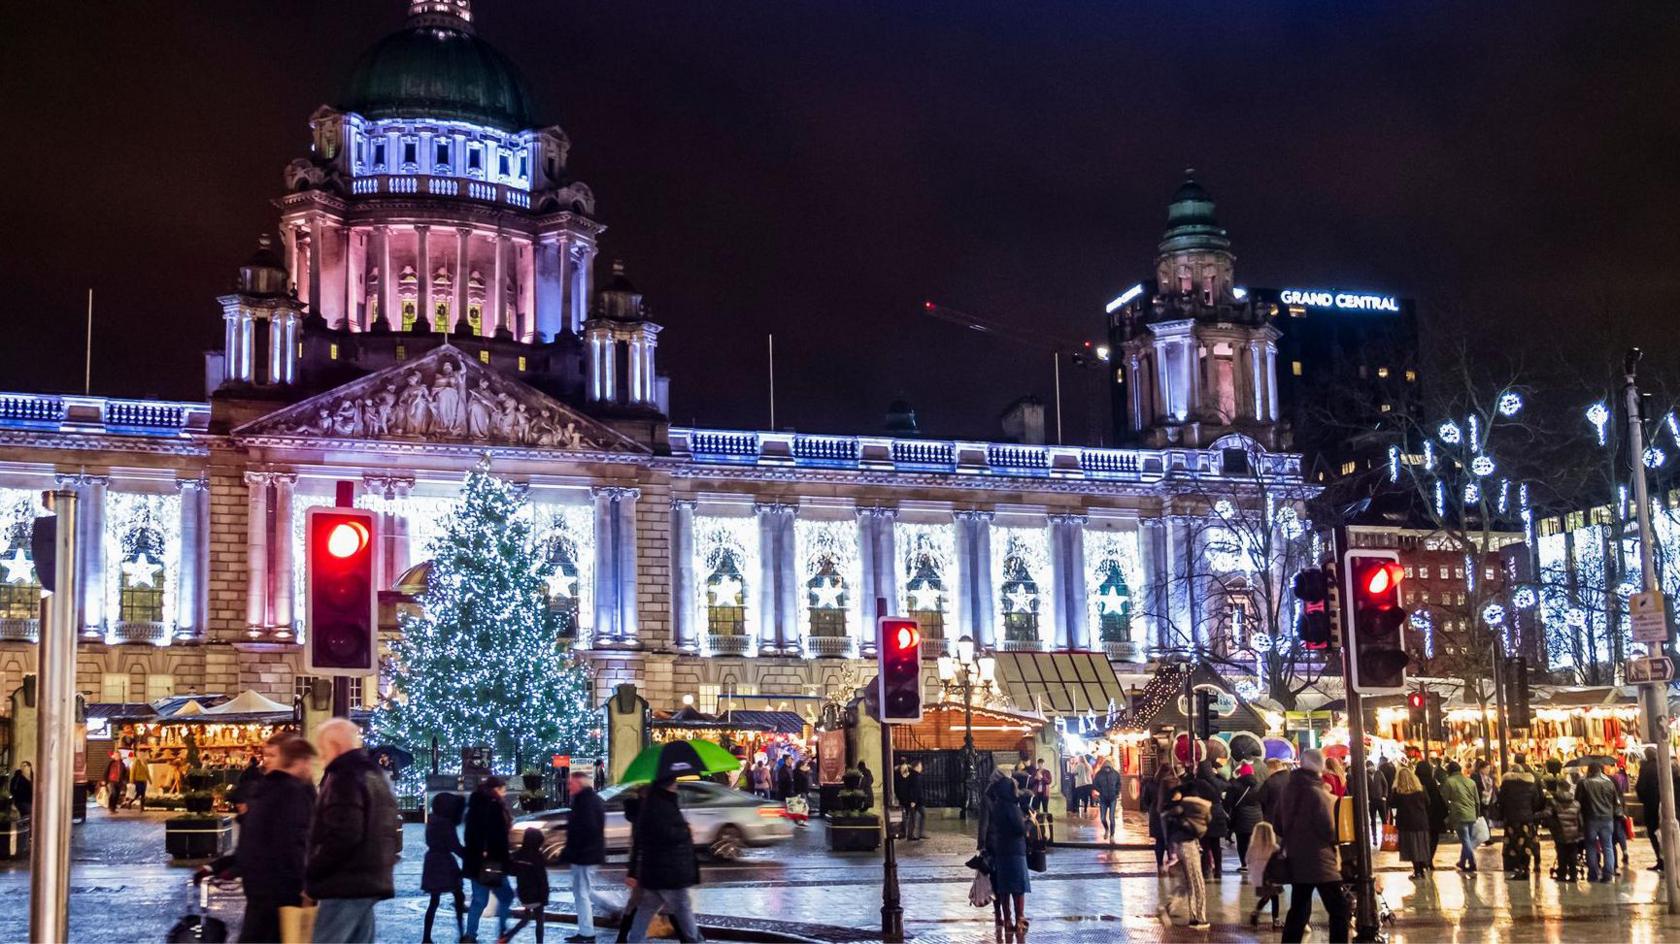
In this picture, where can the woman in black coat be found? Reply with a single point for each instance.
(1242, 807)
(1437, 804)
(440, 873)
(488, 823)
(1211, 786)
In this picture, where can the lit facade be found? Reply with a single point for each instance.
(431, 300)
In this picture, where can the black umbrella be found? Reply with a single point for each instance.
(1603, 760)
(392, 758)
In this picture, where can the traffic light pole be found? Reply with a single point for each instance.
(55, 761)
(892, 910)
(1654, 695)
(1367, 927)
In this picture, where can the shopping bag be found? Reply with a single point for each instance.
(1480, 833)
(1627, 826)
(1391, 838)
(980, 890)
(297, 923)
(1345, 827)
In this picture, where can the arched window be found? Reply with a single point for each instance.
(410, 314)
(475, 318)
(925, 591)
(20, 586)
(726, 597)
(562, 584)
(825, 595)
(1114, 604)
(1020, 602)
(141, 577)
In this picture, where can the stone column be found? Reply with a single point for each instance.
(685, 631)
(314, 249)
(1152, 551)
(424, 268)
(974, 576)
(624, 540)
(90, 541)
(1271, 381)
(886, 574)
(230, 346)
(344, 247)
(633, 368)
(606, 567)
(1257, 380)
(285, 581)
(191, 595)
(778, 583)
(1067, 578)
(497, 293)
(581, 282)
(387, 280)
(550, 291)
(868, 522)
(1180, 570)
(256, 553)
(276, 349)
(463, 272)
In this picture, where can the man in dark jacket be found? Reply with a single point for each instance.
(353, 839)
(1271, 789)
(1520, 808)
(1106, 783)
(273, 840)
(662, 864)
(1601, 814)
(1210, 785)
(915, 815)
(1377, 786)
(1649, 791)
(1306, 826)
(488, 855)
(585, 850)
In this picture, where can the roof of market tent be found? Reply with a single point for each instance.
(1060, 683)
(248, 702)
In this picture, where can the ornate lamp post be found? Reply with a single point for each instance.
(966, 673)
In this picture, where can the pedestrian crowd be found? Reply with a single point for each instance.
(1292, 826)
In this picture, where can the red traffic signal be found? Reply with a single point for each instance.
(899, 661)
(1414, 701)
(1376, 622)
(341, 602)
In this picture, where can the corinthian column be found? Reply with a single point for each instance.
(1067, 580)
(256, 553)
(684, 629)
(191, 587)
(90, 541)
(285, 582)
(425, 267)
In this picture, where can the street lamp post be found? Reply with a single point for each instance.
(965, 673)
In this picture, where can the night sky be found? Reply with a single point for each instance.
(819, 169)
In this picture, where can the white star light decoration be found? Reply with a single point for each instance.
(560, 585)
(141, 571)
(1020, 601)
(19, 569)
(828, 595)
(1111, 601)
(924, 597)
(727, 592)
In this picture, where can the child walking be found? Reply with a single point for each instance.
(1262, 846)
(530, 874)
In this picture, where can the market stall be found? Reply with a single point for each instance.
(749, 734)
(1002, 738)
(225, 733)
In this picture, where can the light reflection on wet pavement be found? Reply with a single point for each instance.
(124, 889)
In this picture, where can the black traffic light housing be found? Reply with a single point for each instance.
(1417, 709)
(341, 606)
(1375, 622)
(898, 649)
(1437, 717)
(1204, 713)
(1312, 588)
(1517, 710)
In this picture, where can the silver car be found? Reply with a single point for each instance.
(723, 821)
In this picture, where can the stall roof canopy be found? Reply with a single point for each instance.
(1160, 703)
(1586, 697)
(1060, 683)
(781, 722)
(248, 702)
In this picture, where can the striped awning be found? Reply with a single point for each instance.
(1060, 683)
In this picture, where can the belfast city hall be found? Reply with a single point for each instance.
(440, 292)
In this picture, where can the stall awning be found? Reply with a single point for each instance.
(1060, 683)
(781, 722)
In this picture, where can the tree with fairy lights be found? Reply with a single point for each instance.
(1231, 601)
(482, 662)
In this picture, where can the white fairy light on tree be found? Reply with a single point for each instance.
(1450, 433)
(1393, 464)
(1510, 403)
(1599, 415)
(1654, 457)
(1482, 465)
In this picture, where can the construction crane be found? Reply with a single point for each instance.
(1083, 353)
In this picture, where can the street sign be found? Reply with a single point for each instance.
(1646, 614)
(1642, 669)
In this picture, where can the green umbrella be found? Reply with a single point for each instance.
(679, 759)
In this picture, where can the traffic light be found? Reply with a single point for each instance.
(898, 648)
(1375, 622)
(1437, 717)
(1417, 710)
(1312, 588)
(1204, 713)
(341, 607)
(1516, 693)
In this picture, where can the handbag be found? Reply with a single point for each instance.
(1479, 832)
(1390, 838)
(980, 890)
(491, 874)
(1627, 826)
(297, 923)
(979, 864)
(1037, 860)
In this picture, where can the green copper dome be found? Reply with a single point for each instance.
(1190, 220)
(438, 71)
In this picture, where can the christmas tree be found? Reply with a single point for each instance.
(482, 663)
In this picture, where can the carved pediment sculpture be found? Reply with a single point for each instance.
(442, 397)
